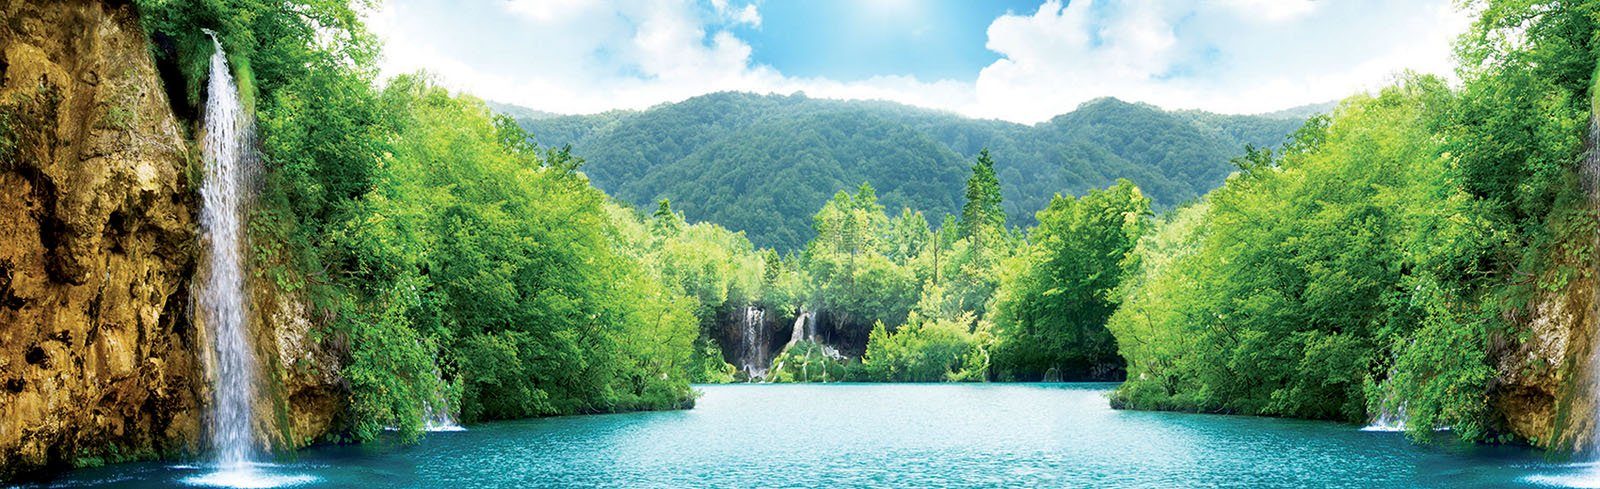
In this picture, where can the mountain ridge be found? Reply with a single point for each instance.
(706, 154)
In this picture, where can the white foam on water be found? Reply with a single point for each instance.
(1579, 475)
(249, 476)
(248, 479)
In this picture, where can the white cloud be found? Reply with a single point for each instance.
(1271, 10)
(1226, 56)
(746, 15)
(1236, 56)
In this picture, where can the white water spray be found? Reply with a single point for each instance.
(755, 363)
(436, 414)
(221, 298)
(1389, 420)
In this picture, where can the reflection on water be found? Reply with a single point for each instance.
(911, 436)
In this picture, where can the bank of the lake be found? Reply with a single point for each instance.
(895, 435)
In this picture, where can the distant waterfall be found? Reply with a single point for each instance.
(805, 329)
(222, 296)
(436, 414)
(802, 331)
(755, 345)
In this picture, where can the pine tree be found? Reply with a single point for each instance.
(982, 215)
(666, 221)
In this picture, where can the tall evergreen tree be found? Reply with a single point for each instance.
(666, 221)
(982, 214)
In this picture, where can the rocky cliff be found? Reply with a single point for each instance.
(1545, 389)
(97, 354)
(1540, 392)
(99, 358)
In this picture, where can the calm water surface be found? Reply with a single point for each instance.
(894, 435)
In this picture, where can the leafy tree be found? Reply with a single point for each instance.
(1055, 297)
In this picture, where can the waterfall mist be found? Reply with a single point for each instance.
(221, 298)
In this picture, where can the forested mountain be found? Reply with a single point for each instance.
(761, 163)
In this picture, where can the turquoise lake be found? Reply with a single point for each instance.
(897, 436)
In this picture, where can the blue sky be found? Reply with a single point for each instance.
(1016, 60)
(851, 40)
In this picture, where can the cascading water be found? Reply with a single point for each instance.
(1589, 174)
(1588, 473)
(221, 298)
(1391, 413)
(436, 412)
(755, 365)
(801, 331)
(220, 302)
(1389, 420)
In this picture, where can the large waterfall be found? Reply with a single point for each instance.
(220, 302)
(222, 295)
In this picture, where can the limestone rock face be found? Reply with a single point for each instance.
(100, 360)
(306, 393)
(97, 244)
(1540, 391)
(1545, 390)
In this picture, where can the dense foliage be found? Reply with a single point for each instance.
(761, 164)
(1055, 296)
(1370, 264)
(539, 310)
(452, 264)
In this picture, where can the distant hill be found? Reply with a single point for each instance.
(1302, 112)
(765, 163)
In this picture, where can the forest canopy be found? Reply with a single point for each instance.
(1374, 261)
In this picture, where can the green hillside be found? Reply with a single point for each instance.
(761, 163)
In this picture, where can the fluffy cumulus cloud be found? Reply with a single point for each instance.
(1229, 56)
(1236, 56)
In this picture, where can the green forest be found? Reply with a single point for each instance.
(760, 164)
(1359, 261)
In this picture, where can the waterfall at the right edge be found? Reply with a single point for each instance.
(1589, 172)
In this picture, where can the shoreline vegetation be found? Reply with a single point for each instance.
(1377, 261)
(1363, 266)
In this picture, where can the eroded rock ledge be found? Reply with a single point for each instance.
(97, 354)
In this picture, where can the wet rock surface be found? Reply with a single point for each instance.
(97, 245)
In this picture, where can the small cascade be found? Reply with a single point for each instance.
(805, 329)
(1389, 420)
(755, 344)
(1391, 412)
(801, 331)
(436, 414)
(222, 296)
